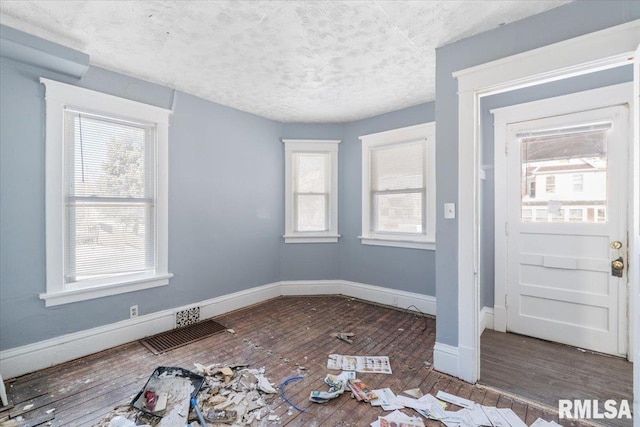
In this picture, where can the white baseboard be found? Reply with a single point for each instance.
(32, 357)
(486, 318)
(446, 358)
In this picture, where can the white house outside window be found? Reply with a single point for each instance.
(398, 187)
(311, 200)
(106, 194)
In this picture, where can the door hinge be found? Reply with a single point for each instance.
(506, 228)
(506, 149)
(505, 301)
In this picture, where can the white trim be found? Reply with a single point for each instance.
(58, 96)
(584, 54)
(115, 288)
(602, 49)
(548, 107)
(422, 132)
(634, 233)
(21, 360)
(311, 238)
(580, 101)
(486, 318)
(446, 358)
(397, 243)
(323, 146)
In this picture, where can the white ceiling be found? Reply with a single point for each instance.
(290, 61)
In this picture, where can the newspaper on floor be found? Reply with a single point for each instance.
(459, 401)
(364, 364)
(361, 391)
(386, 399)
(397, 419)
(427, 406)
(460, 418)
(542, 423)
(337, 385)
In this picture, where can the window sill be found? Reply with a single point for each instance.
(398, 243)
(103, 290)
(311, 238)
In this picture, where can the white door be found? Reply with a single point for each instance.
(566, 216)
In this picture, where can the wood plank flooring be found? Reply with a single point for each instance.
(545, 372)
(282, 335)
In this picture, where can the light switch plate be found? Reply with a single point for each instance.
(449, 210)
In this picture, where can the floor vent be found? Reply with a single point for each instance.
(173, 339)
(187, 317)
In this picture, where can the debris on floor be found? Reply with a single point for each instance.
(337, 385)
(386, 399)
(542, 423)
(363, 364)
(167, 394)
(361, 391)
(344, 336)
(472, 414)
(414, 392)
(397, 418)
(230, 394)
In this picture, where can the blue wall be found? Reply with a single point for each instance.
(225, 205)
(571, 20)
(226, 197)
(398, 268)
(310, 261)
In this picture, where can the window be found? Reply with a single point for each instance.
(572, 163)
(551, 184)
(398, 187)
(532, 189)
(311, 200)
(578, 183)
(106, 194)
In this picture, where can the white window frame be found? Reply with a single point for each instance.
(425, 132)
(58, 97)
(330, 147)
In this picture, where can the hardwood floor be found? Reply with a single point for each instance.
(282, 335)
(545, 372)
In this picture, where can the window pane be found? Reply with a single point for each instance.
(398, 212)
(310, 172)
(564, 176)
(106, 158)
(398, 167)
(110, 174)
(108, 239)
(311, 212)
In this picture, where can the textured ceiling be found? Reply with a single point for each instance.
(290, 61)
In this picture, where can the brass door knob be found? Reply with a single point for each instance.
(617, 265)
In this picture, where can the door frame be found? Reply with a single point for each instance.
(609, 48)
(603, 97)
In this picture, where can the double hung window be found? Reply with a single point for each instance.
(398, 191)
(311, 201)
(106, 199)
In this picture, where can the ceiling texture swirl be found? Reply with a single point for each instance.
(289, 61)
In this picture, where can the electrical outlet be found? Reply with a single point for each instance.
(133, 311)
